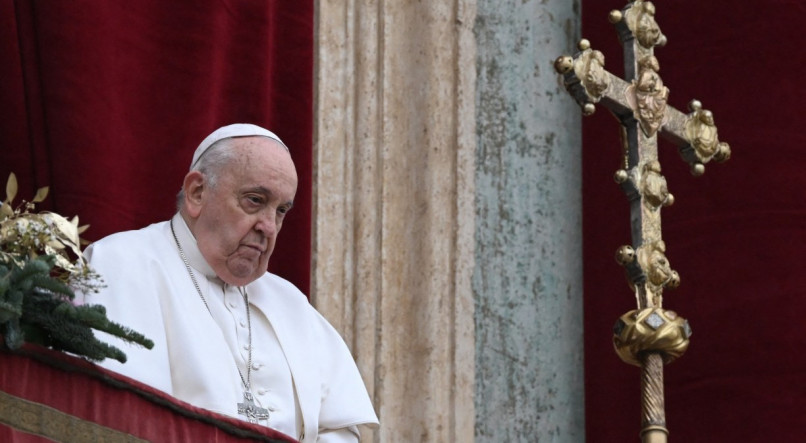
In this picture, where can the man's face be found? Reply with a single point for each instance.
(236, 223)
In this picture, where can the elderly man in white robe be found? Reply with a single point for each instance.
(229, 336)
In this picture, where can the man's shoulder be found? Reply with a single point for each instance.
(274, 292)
(129, 242)
(274, 284)
(150, 230)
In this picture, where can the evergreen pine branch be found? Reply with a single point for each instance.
(52, 285)
(64, 333)
(37, 285)
(94, 316)
(116, 329)
(37, 266)
(11, 307)
(13, 334)
(5, 280)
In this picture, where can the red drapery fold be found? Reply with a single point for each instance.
(48, 393)
(105, 102)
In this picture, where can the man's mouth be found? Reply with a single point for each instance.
(259, 248)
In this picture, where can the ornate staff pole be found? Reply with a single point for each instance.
(648, 336)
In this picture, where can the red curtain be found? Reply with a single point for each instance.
(105, 102)
(736, 235)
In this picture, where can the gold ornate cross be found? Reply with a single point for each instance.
(648, 336)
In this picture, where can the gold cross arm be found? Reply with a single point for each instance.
(640, 104)
(643, 100)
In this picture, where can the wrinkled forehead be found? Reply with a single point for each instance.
(259, 159)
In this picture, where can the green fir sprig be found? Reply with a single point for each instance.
(41, 265)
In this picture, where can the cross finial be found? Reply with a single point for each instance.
(640, 103)
(650, 335)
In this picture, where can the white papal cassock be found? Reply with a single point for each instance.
(302, 371)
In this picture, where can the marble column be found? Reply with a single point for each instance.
(394, 216)
(447, 237)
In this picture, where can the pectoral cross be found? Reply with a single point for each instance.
(252, 411)
(648, 336)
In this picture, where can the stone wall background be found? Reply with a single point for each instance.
(527, 280)
(447, 226)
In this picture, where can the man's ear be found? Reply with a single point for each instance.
(194, 188)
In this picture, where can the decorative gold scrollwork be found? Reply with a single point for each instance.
(641, 21)
(701, 133)
(658, 270)
(589, 68)
(588, 72)
(648, 96)
(650, 330)
(653, 186)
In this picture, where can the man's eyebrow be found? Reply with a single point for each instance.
(260, 189)
(266, 191)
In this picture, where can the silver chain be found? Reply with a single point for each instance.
(246, 381)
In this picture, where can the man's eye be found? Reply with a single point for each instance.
(254, 199)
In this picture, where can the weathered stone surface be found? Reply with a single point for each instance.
(528, 274)
(447, 215)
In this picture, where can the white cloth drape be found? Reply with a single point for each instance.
(149, 290)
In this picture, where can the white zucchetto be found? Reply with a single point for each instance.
(230, 131)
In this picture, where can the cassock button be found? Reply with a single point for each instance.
(245, 347)
(256, 366)
(243, 323)
(232, 304)
(261, 391)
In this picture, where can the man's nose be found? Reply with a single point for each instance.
(267, 224)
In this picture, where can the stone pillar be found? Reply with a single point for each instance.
(528, 260)
(393, 206)
(447, 214)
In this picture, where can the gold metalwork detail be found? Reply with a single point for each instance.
(651, 330)
(589, 68)
(586, 69)
(641, 21)
(653, 415)
(621, 176)
(722, 153)
(653, 186)
(654, 434)
(702, 135)
(652, 258)
(639, 102)
(615, 16)
(625, 255)
(563, 64)
(648, 96)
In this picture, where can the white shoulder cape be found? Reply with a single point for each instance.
(148, 290)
